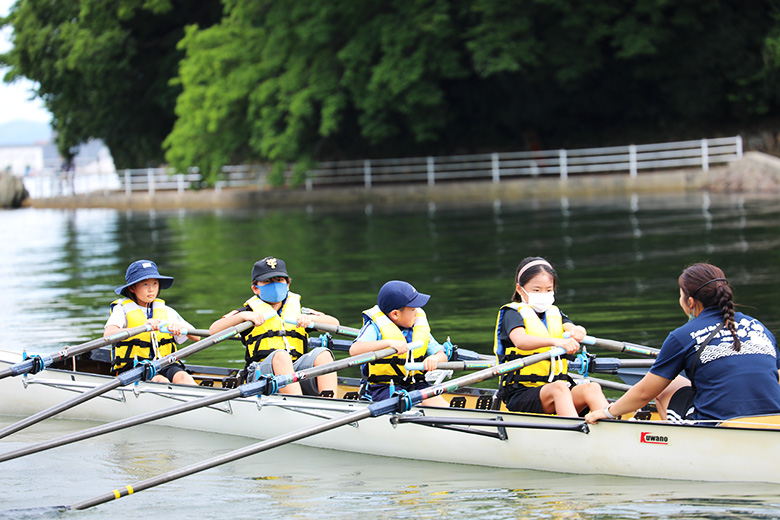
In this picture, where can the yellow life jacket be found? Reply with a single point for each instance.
(147, 345)
(539, 373)
(391, 369)
(275, 333)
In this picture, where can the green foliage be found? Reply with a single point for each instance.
(298, 81)
(103, 68)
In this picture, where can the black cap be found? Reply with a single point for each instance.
(268, 267)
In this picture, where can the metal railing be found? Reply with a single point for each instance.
(368, 173)
(498, 166)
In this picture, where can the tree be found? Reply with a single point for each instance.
(282, 80)
(305, 80)
(104, 68)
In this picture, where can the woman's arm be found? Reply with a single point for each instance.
(639, 395)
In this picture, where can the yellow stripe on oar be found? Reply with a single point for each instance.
(118, 494)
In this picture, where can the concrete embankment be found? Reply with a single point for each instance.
(755, 173)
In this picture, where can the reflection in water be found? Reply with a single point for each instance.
(618, 260)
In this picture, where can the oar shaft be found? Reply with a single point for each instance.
(245, 390)
(605, 383)
(28, 365)
(619, 346)
(54, 410)
(124, 379)
(330, 328)
(222, 459)
(373, 410)
(455, 365)
(418, 396)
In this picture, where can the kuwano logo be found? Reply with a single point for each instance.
(649, 438)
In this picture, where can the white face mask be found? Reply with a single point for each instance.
(540, 302)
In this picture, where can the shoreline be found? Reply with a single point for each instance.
(347, 198)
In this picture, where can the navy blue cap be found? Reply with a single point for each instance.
(143, 270)
(396, 294)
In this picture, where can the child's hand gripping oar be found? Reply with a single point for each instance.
(619, 346)
(265, 385)
(144, 370)
(35, 363)
(400, 402)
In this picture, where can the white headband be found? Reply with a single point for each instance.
(532, 264)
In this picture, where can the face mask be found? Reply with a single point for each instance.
(540, 302)
(273, 292)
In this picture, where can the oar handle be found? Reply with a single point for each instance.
(327, 327)
(618, 346)
(455, 365)
(36, 362)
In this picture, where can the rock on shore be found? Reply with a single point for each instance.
(12, 191)
(756, 172)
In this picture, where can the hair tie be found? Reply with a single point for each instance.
(531, 264)
(707, 283)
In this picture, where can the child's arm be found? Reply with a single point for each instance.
(361, 347)
(577, 332)
(432, 361)
(305, 320)
(233, 318)
(525, 341)
(309, 316)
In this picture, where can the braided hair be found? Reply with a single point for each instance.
(707, 284)
(523, 274)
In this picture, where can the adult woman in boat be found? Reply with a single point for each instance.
(139, 304)
(529, 325)
(274, 346)
(731, 360)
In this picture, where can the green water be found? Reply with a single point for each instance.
(617, 259)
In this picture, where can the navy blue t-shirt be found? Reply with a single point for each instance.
(729, 383)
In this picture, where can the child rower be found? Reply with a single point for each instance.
(273, 345)
(531, 324)
(396, 321)
(139, 304)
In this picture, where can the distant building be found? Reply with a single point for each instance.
(43, 159)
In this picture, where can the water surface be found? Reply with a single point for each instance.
(617, 258)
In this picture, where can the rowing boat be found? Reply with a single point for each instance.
(748, 450)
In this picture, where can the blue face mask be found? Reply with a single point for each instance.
(273, 292)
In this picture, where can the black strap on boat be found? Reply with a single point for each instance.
(463, 424)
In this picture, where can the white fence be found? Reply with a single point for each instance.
(497, 166)
(368, 173)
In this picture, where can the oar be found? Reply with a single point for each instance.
(609, 365)
(613, 385)
(125, 378)
(260, 386)
(330, 328)
(619, 346)
(456, 365)
(36, 363)
(400, 402)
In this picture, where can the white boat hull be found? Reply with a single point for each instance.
(625, 448)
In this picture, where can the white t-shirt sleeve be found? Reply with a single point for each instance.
(118, 317)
